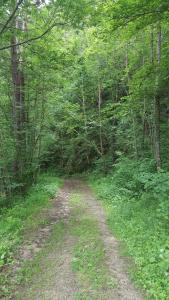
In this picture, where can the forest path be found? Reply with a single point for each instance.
(81, 259)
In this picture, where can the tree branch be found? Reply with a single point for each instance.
(134, 17)
(11, 16)
(33, 38)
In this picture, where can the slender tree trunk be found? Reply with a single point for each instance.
(84, 115)
(152, 62)
(145, 122)
(157, 105)
(159, 42)
(132, 111)
(157, 132)
(84, 108)
(134, 135)
(152, 45)
(100, 121)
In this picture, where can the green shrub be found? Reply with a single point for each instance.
(137, 201)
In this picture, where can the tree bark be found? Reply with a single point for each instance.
(18, 109)
(84, 115)
(157, 104)
(100, 122)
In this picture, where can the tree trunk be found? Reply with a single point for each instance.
(100, 122)
(84, 115)
(157, 105)
(152, 46)
(18, 109)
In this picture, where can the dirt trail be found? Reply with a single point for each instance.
(58, 281)
(117, 265)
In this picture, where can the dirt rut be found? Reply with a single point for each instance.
(62, 283)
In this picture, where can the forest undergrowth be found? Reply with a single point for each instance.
(23, 216)
(136, 202)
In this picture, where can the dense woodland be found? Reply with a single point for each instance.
(84, 85)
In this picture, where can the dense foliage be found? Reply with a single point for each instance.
(80, 84)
